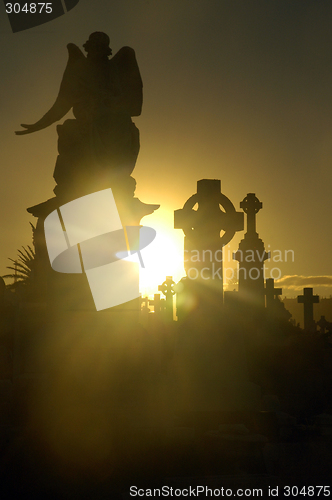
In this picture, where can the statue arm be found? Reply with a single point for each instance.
(59, 109)
(64, 101)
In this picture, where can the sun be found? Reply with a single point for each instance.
(163, 257)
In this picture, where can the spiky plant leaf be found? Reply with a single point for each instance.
(24, 265)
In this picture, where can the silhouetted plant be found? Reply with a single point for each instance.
(23, 266)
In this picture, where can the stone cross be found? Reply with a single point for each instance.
(308, 299)
(209, 219)
(251, 206)
(251, 255)
(167, 288)
(144, 310)
(145, 302)
(203, 241)
(157, 303)
(271, 292)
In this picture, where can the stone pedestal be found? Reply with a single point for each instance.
(211, 368)
(251, 256)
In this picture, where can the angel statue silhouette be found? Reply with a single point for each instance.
(98, 148)
(97, 152)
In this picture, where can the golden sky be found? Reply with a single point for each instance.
(237, 90)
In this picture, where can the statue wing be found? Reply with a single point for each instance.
(69, 80)
(130, 79)
(65, 99)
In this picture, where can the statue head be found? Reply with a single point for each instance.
(98, 45)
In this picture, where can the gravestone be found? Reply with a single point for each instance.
(144, 302)
(167, 288)
(210, 366)
(271, 292)
(203, 243)
(158, 305)
(251, 256)
(308, 299)
(144, 311)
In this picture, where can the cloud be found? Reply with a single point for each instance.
(298, 282)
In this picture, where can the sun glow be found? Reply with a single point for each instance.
(163, 257)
